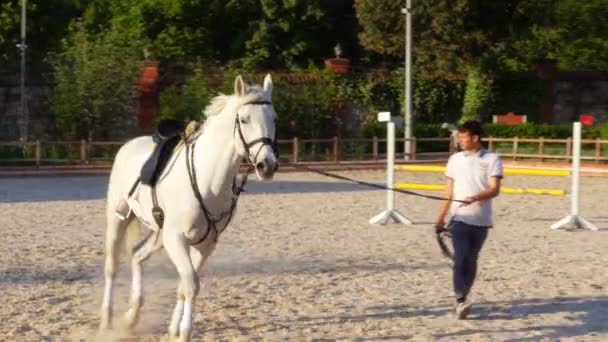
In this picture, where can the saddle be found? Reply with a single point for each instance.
(167, 135)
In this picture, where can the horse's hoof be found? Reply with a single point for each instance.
(131, 318)
(105, 326)
(106, 322)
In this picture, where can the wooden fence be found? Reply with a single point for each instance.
(298, 150)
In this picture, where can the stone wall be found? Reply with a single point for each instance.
(40, 119)
(574, 97)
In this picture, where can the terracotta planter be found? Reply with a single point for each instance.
(338, 65)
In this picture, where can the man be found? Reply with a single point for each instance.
(473, 177)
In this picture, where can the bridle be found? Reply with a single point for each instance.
(264, 140)
(237, 189)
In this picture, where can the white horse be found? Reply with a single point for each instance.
(197, 192)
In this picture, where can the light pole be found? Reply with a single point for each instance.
(23, 120)
(408, 79)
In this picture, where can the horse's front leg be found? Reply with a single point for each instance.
(177, 247)
(199, 255)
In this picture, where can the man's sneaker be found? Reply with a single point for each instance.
(462, 310)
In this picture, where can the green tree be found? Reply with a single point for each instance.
(9, 19)
(383, 26)
(186, 102)
(47, 23)
(286, 34)
(95, 77)
(572, 33)
(454, 39)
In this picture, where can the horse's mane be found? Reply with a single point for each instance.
(218, 103)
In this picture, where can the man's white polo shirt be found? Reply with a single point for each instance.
(471, 174)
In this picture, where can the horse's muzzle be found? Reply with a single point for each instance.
(266, 168)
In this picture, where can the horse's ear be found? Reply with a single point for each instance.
(268, 84)
(239, 86)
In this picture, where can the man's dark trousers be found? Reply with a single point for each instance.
(467, 242)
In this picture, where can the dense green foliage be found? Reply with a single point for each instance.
(94, 86)
(186, 102)
(472, 58)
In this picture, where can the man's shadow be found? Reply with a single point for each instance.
(587, 314)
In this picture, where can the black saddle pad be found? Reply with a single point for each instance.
(166, 136)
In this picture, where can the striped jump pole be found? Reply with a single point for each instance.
(390, 213)
(574, 220)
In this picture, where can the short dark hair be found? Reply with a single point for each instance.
(473, 127)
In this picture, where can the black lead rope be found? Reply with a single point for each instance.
(373, 185)
(440, 234)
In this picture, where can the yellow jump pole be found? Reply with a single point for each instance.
(504, 190)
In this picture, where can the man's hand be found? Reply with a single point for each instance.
(440, 225)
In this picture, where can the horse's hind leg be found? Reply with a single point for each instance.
(141, 253)
(114, 235)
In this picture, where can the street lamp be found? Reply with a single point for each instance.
(22, 122)
(408, 79)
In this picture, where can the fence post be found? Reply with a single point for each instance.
(38, 153)
(569, 149)
(541, 147)
(413, 149)
(451, 148)
(490, 144)
(295, 149)
(83, 151)
(515, 143)
(336, 148)
(375, 147)
(598, 149)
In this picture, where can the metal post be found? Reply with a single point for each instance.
(390, 213)
(574, 220)
(408, 79)
(23, 113)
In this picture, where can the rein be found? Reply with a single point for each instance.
(213, 220)
(237, 189)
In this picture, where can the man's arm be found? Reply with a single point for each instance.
(445, 206)
(492, 191)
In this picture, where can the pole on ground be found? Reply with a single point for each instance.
(574, 220)
(390, 213)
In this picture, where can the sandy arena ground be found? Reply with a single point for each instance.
(300, 262)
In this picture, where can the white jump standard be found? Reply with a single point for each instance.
(574, 220)
(390, 213)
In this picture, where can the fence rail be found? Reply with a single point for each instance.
(299, 150)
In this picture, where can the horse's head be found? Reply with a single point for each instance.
(255, 127)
